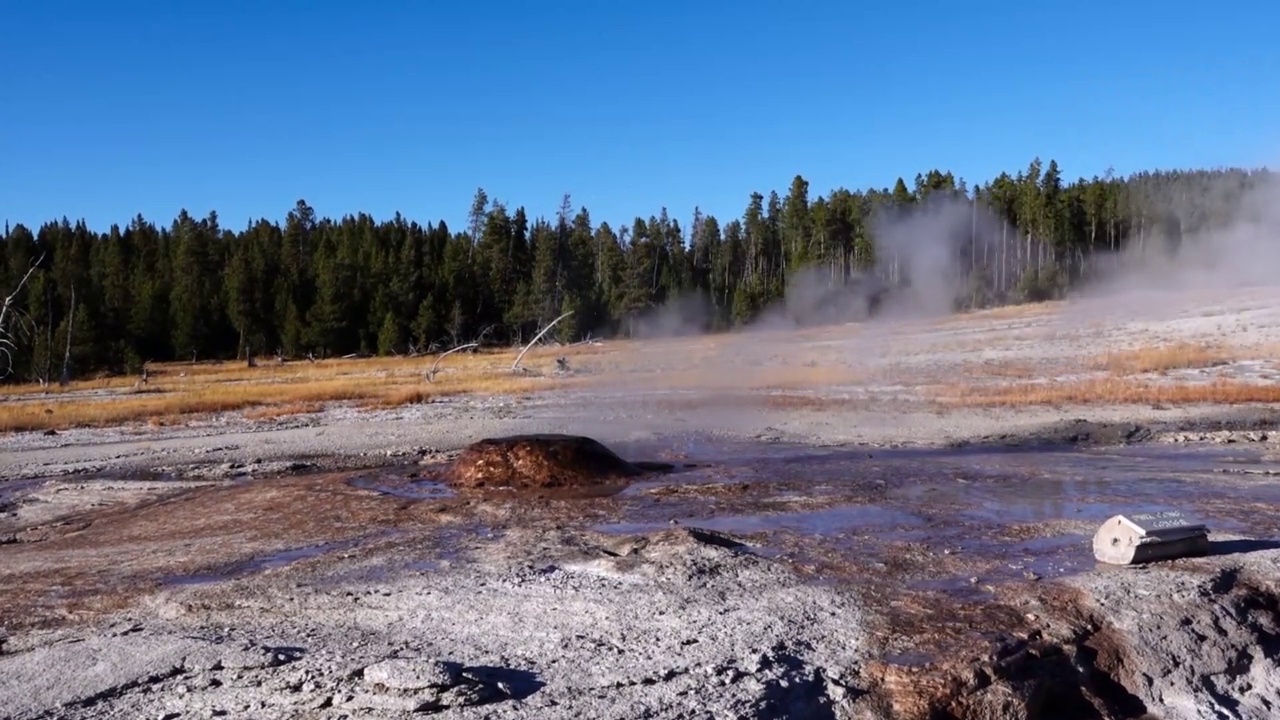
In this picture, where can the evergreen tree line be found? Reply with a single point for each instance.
(195, 289)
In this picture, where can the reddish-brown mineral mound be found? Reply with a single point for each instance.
(539, 461)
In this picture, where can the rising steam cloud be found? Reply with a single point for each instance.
(924, 258)
(1168, 271)
(938, 254)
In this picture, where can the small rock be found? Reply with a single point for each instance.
(124, 629)
(411, 674)
(247, 658)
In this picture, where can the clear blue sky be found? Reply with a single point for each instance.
(114, 108)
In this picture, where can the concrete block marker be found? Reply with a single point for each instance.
(1149, 537)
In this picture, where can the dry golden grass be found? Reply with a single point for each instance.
(112, 384)
(1004, 312)
(1163, 358)
(1110, 391)
(180, 390)
(160, 406)
(717, 364)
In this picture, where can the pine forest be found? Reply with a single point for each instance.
(110, 299)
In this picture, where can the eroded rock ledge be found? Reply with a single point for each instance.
(1184, 641)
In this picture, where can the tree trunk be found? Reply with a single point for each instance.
(66, 358)
(1004, 256)
(48, 345)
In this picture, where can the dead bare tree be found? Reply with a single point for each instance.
(431, 374)
(8, 339)
(485, 333)
(143, 376)
(65, 379)
(42, 373)
(515, 366)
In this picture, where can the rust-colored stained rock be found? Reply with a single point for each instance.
(911, 693)
(539, 461)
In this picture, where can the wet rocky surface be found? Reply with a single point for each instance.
(752, 579)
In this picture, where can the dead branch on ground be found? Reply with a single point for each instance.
(516, 365)
(588, 341)
(431, 374)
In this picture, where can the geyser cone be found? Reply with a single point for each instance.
(538, 461)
